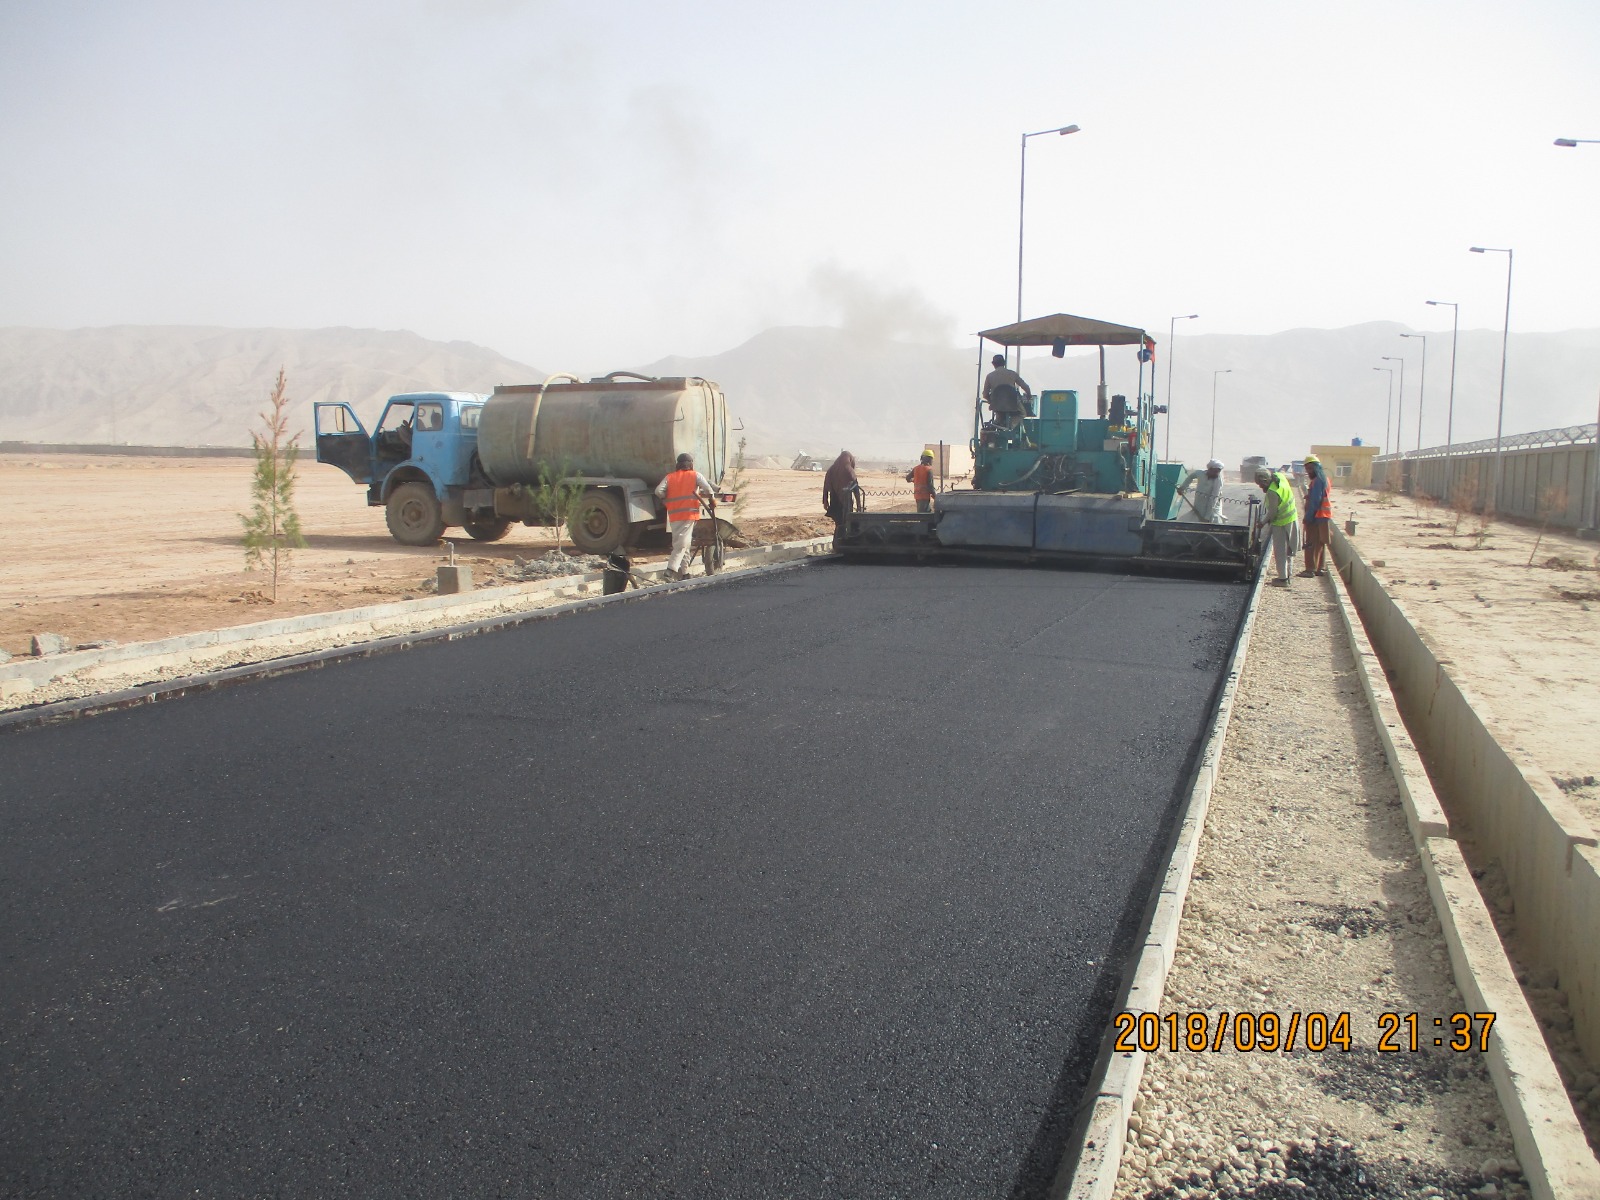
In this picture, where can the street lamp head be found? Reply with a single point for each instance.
(1475, 249)
(1067, 129)
(1569, 142)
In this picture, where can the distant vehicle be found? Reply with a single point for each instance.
(442, 459)
(1247, 469)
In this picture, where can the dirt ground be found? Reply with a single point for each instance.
(1523, 638)
(99, 548)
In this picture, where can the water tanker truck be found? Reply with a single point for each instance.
(443, 459)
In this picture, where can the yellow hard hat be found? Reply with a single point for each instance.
(1311, 458)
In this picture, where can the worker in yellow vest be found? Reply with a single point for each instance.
(1280, 520)
(680, 493)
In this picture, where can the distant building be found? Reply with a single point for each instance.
(957, 460)
(1348, 466)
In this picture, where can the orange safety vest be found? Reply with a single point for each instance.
(922, 481)
(1325, 507)
(683, 500)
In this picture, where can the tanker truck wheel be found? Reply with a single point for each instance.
(600, 524)
(488, 529)
(414, 516)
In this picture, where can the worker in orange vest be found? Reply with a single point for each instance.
(1318, 520)
(680, 494)
(920, 477)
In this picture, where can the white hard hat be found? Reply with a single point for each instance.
(1214, 465)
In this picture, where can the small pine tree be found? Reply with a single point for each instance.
(272, 527)
(735, 483)
(558, 495)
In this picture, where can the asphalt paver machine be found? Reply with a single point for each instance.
(1062, 484)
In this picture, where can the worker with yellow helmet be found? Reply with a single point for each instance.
(1318, 522)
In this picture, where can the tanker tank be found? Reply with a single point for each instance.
(620, 426)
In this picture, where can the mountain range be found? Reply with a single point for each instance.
(812, 389)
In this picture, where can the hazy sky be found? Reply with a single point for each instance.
(592, 183)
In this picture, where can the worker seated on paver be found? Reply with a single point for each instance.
(1007, 394)
(1207, 491)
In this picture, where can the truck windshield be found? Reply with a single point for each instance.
(396, 416)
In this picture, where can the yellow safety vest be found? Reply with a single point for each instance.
(1288, 510)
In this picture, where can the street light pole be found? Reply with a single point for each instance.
(1422, 386)
(1172, 346)
(1214, 374)
(1400, 407)
(1388, 411)
(1594, 516)
(1450, 417)
(1505, 338)
(1022, 205)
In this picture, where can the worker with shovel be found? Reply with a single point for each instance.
(681, 493)
(1279, 523)
(1207, 502)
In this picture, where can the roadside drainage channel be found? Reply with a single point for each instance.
(1502, 802)
(1549, 1141)
(745, 565)
(1091, 1174)
(1551, 1147)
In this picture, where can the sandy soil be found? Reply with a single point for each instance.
(1308, 897)
(96, 548)
(1524, 639)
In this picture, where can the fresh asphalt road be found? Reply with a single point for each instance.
(813, 884)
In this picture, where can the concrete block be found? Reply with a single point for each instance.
(48, 643)
(454, 579)
(5, 656)
(12, 688)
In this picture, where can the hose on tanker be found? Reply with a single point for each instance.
(538, 399)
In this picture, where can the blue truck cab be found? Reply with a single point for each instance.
(418, 464)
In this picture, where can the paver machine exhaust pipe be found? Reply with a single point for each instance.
(1051, 485)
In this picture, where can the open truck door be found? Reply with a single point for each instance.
(342, 441)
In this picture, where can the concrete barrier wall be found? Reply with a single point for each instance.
(1566, 474)
(1503, 802)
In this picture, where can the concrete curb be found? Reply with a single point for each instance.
(1550, 1144)
(25, 673)
(1424, 814)
(1093, 1171)
(66, 710)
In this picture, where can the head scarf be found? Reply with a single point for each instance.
(842, 475)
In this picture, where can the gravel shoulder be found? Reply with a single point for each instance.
(1308, 898)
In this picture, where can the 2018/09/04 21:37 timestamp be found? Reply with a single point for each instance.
(1270, 1032)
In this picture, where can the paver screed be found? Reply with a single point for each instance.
(818, 884)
